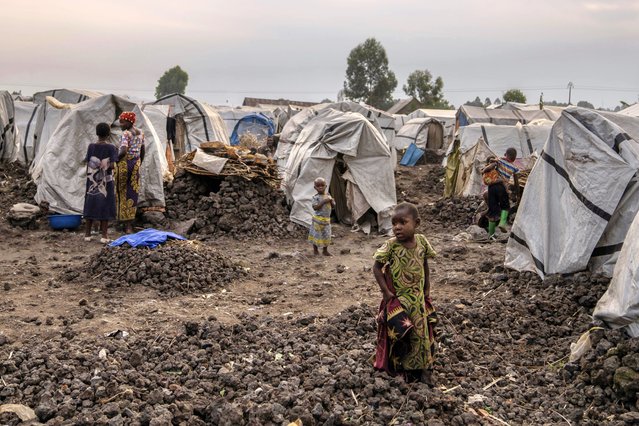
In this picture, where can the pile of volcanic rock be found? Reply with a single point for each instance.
(230, 205)
(16, 186)
(173, 268)
(456, 213)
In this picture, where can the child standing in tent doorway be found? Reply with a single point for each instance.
(320, 232)
(406, 320)
(99, 199)
(496, 176)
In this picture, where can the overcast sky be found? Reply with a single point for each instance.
(298, 49)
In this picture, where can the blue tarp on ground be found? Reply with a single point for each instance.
(412, 156)
(256, 123)
(148, 238)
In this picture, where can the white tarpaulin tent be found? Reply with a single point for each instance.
(445, 116)
(199, 122)
(60, 173)
(232, 115)
(619, 306)
(526, 139)
(468, 114)
(382, 121)
(66, 96)
(48, 116)
(26, 121)
(331, 135)
(9, 138)
(580, 197)
(423, 132)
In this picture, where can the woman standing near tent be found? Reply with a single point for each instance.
(131, 155)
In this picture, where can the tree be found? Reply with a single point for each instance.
(326, 101)
(173, 81)
(421, 86)
(585, 104)
(487, 102)
(497, 101)
(368, 77)
(515, 95)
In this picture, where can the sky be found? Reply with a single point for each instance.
(298, 50)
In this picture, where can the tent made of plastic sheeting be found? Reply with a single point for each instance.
(619, 306)
(348, 138)
(526, 139)
(48, 116)
(632, 110)
(463, 170)
(232, 115)
(468, 114)
(256, 125)
(67, 96)
(9, 138)
(425, 133)
(445, 116)
(382, 121)
(580, 197)
(60, 173)
(26, 121)
(192, 123)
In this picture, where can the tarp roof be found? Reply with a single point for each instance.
(468, 114)
(67, 96)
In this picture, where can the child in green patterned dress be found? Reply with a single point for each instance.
(406, 258)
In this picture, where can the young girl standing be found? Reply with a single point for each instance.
(99, 199)
(320, 232)
(401, 270)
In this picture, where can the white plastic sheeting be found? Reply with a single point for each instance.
(572, 195)
(67, 96)
(468, 114)
(619, 306)
(416, 131)
(232, 115)
(47, 119)
(203, 123)
(444, 116)
(364, 150)
(61, 170)
(526, 139)
(382, 121)
(26, 121)
(9, 138)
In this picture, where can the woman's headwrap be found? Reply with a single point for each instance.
(128, 116)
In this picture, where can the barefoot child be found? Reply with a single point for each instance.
(320, 232)
(401, 270)
(99, 199)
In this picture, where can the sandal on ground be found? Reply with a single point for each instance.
(88, 238)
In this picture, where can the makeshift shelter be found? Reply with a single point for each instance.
(425, 133)
(619, 306)
(231, 115)
(382, 121)
(351, 154)
(66, 96)
(444, 116)
(26, 121)
(468, 114)
(191, 123)
(632, 110)
(60, 172)
(48, 116)
(254, 127)
(405, 106)
(580, 198)
(9, 138)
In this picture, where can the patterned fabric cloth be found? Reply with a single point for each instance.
(408, 279)
(320, 232)
(99, 199)
(128, 176)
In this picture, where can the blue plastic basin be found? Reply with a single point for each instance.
(65, 221)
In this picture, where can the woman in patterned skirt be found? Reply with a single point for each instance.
(131, 155)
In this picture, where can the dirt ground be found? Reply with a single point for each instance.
(293, 337)
(284, 279)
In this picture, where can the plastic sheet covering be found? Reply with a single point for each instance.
(61, 171)
(619, 306)
(26, 121)
(209, 162)
(9, 139)
(363, 149)
(572, 194)
(148, 238)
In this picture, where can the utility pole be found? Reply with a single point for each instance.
(570, 86)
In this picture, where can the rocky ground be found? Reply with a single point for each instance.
(288, 336)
